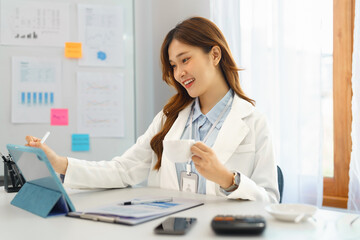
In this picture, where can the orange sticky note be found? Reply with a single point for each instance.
(73, 50)
(59, 117)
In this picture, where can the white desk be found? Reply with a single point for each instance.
(16, 223)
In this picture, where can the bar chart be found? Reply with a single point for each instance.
(37, 98)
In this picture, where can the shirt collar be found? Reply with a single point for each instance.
(214, 113)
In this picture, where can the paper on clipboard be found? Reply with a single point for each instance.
(135, 214)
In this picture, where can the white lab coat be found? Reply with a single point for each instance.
(243, 144)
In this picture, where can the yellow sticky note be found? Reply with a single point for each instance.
(73, 50)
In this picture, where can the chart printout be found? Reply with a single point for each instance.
(101, 32)
(29, 23)
(101, 104)
(36, 88)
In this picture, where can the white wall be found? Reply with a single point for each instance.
(60, 139)
(153, 20)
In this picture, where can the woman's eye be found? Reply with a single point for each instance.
(185, 60)
(172, 66)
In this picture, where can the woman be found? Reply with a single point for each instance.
(233, 156)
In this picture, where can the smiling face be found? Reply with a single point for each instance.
(194, 69)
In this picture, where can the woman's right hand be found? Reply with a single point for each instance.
(58, 163)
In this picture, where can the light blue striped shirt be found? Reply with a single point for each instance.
(201, 126)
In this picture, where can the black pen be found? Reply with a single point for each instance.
(10, 169)
(12, 174)
(15, 175)
(3, 157)
(135, 202)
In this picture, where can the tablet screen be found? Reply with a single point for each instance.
(34, 170)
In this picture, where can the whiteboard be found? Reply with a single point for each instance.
(102, 148)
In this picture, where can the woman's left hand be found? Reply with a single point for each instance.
(209, 166)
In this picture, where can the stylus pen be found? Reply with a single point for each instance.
(134, 202)
(45, 137)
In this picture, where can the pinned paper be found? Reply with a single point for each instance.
(101, 30)
(73, 50)
(59, 116)
(36, 88)
(80, 142)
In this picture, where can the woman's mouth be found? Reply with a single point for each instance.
(188, 83)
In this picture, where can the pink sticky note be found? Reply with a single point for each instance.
(59, 116)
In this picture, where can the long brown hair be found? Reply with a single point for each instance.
(203, 33)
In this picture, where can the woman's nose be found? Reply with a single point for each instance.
(180, 73)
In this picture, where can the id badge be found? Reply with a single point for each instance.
(189, 182)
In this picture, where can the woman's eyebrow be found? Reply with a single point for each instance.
(179, 55)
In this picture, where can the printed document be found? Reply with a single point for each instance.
(101, 32)
(36, 88)
(101, 104)
(138, 213)
(34, 23)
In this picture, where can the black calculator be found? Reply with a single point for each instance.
(238, 224)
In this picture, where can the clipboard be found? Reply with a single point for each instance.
(43, 193)
(119, 213)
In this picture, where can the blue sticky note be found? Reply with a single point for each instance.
(80, 142)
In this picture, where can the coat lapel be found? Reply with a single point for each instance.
(179, 125)
(231, 134)
(233, 130)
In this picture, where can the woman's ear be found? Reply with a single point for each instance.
(215, 55)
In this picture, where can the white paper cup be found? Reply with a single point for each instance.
(178, 150)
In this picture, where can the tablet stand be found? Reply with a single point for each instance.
(41, 201)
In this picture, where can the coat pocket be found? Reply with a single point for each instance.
(245, 148)
(243, 159)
